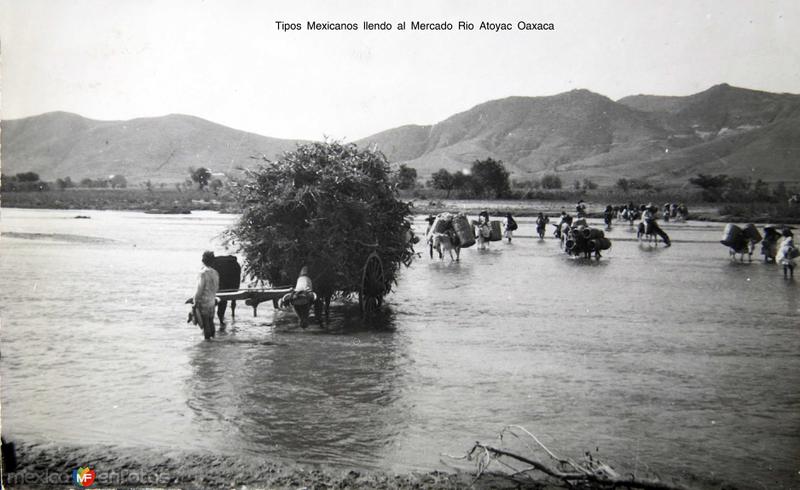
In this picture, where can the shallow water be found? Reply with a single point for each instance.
(674, 361)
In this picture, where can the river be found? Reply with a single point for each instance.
(670, 361)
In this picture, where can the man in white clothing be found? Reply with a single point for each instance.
(206, 295)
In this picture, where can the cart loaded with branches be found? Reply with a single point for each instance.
(327, 215)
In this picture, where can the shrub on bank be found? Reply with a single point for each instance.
(761, 211)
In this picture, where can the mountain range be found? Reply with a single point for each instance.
(577, 134)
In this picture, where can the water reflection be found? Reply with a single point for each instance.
(330, 394)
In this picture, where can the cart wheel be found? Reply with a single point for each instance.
(373, 285)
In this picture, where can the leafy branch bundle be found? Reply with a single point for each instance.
(326, 205)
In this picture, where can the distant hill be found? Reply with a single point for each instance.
(577, 134)
(581, 134)
(60, 144)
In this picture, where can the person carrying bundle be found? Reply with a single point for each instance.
(580, 209)
(510, 227)
(787, 253)
(541, 224)
(428, 235)
(564, 223)
(484, 230)
(769, 246)
(608, 216)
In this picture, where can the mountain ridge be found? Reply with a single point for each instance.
(577, 134)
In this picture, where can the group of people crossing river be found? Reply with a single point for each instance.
(447, 233)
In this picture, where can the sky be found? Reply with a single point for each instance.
(227, 61)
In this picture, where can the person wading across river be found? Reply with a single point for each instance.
(206, 295)
(484, 230)
(650, 226)
(787, 254)
(511, 225)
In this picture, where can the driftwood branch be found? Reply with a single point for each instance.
(591, 471)
(572, 477)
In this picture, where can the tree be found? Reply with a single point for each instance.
(442, 180)
(406, 177)
(551, 182)
(28, 177)
(201, 176)
(117, 181)
(780, 192)
(8, 183)
(708, 182)
(462, 181)
(623, 184)
(588, 184)
(761, 190)
(325, 205)
(712, 185)
(215, 186)
(64, 183)
(490, 177)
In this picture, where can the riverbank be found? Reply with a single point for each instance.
(51, 466)
(182, 202)
(161, 201)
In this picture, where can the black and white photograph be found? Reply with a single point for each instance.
(372, 244)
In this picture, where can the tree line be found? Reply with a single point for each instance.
(201, 178)
(486, 178)
(30, 182)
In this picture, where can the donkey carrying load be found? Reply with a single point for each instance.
(741, 241)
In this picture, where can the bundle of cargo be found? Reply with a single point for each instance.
(328, 206)
(495, 231)
(737, 238)
(741, 241)
(583, 240)
(464, 231)
(442, 223)
(732, 236)
(458, 225)
(769, 246)
(752, 233)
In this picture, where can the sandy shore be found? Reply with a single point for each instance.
(51, 466)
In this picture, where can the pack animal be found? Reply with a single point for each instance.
(646, 233)
(741, 241)
(743, 247)
(446, 242)
(230, 275)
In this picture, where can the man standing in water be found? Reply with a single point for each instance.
(206, 295)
